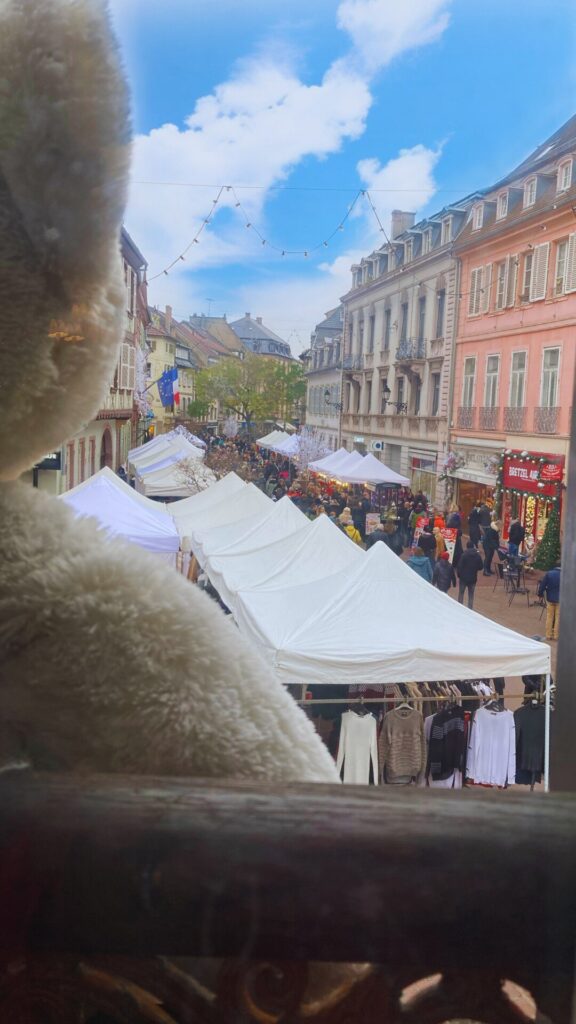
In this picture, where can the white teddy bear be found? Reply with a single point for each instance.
(109, 662)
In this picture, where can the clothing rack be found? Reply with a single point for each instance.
(430, 699)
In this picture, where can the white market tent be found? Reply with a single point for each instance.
(289, 447)
(380, 624)
(123, 513)
(272, 523)
(169, 481)
(348, 462)
(173, 450)
(249, 501)
(183, 511)
(370, 470)
(325, 465)
(161, 442)
(273, 438)
(303, 556)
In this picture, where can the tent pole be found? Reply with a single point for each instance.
(547, 737)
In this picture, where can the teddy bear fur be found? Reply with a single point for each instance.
(109, 661)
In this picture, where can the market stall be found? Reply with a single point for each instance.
(270, 523)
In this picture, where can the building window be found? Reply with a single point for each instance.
(360, 337)
(416, 395)
(446, 230)
(529, 193)
(517, 380)
(501, 283)
(435, 397)
(550, 366)
(440, 311)
(421, 318)
(383, 264)
(561, 257)
(387, 327)
(478, 298)
(427, 241)
(408, 251)
(400, 392)
(371, 322)
(477, 217)
(527, 276)
(404, 321)
(491, 390)
(502, 206)
(468, 382)
(564, 176)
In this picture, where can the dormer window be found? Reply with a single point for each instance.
(564, 176)
(409, 251)
(446, 230)
(477, 216)
(529, 193)
(427, 241)
(502, 206)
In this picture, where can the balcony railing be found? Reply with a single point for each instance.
(515, 418)
(353, 362)
(466, 417)
(410, 349)
(546, 419)
(489, 417)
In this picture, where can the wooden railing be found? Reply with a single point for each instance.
(105, 880)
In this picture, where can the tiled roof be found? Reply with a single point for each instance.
(259, 338)
(332, 322)
(561, 142)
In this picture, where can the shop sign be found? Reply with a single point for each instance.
(531, 476)
(450, 535)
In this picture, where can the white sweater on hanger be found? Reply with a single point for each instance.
(357, 747)
(492, 748)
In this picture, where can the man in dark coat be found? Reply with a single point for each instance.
(490, 543)
(469, 566)
(444, 576)
(474, 531)
(550, 585)
(516, 537)
(427, 541)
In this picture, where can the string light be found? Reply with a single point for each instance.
(195, 240)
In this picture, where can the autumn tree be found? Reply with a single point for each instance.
(252, 388)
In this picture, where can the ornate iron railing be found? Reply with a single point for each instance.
(103, 876)
(515, 418)
(352, 362)
(410, 349)
(489, 417)
(466, 418)
(546, 419)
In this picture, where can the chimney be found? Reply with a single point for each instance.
(247, 315)
(258, 319)
(401, 222)
(168, 318)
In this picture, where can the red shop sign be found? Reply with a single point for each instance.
(519, 475)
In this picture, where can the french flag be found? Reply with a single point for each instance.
(175, 388)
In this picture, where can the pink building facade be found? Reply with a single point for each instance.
(516, 339)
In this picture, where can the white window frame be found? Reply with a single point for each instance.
(527, 271)
(491, 400)
(540, 267)
(446, 230)
(436, 375)
(529, 197)
(564, 180)
(426, 241)
(501, 284)
(561, 267)
(409, 251)
(477, 216)
(502, 206)
(468, 389)
(543, 388)
(515, 376)
(475, 291)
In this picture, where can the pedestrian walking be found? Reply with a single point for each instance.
(474, 531)
(516, 536)
(469, 566)
(427, 542)
(550, 586)
(444, 576)
(490, 543)
(421, 565)
(347, 525)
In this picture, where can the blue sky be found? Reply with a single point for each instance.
(421, 101)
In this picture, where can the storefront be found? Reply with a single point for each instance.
(423, 475)
(472, 486)
(530, 485)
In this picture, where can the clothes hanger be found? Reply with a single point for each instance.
(404, 706)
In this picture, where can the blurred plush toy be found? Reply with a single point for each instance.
(109, 662)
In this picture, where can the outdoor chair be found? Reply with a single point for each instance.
(502, 576)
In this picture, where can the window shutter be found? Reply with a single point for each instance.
(512, 281)
(540, 272)
(486, 284)
(474, 296)
(570, 276)
(131, 367)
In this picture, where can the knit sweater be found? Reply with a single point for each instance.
(403, 744)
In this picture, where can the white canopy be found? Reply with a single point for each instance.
(123, 513)
(348, 462)
(246, 502)
(325, 465)
(271, 523)
(380, 624)
(273, 438)
(289, 447)
(162, 441)
(169, 480)
(184, 511)
(173, 450)
(302, 556)
(370, 470)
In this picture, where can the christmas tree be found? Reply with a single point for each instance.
(548, 554)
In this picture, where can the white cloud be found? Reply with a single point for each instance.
(384, 29)
(404, 183)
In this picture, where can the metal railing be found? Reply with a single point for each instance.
(546, 419)
(410, 349)
(353, 362)
(466, 418)
(489, 417)
(515, 418)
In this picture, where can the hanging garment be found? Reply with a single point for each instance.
(446, 747)
(530, 722)
(357, 748)
(403, 746)
(492, 748)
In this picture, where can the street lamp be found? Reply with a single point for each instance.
(334, 405)
(400, 406)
